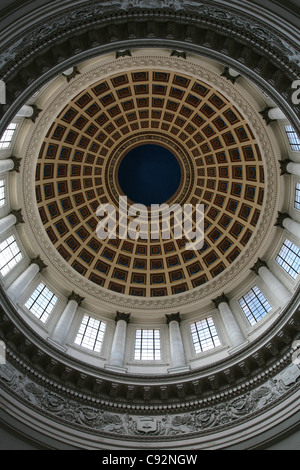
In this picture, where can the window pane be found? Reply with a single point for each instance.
(297, 196)
(10, 255)
(7, 136)
(2, 193)
(293, 138)
(147, 345)
(289, 258)
(254, 305)
(91, 333)
(204, 335)
(41, 302)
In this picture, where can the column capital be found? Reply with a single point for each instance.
(226, 74)
(259, 264)
(18, 215)
(173, 317)
(17, 163)
(122, 316)
(283, 166)
(39, 262)
(76, 297)
(176, 53)
(35, 114)
(280, 218)
(123, 53)
(221, 298)
(73, 74)
(265, 114)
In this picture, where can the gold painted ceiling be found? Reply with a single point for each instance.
(77, 171)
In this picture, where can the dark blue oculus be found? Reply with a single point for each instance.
(149, 174)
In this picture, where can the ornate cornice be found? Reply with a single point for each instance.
(240, 371)
(209, 28)
(162, 425)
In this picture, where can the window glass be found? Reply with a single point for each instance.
(10, 255)
(7, 136)
(147, 345)
(254, 305)
(297, 196)
(293, 138)
(289, 258)
(41, 302)
(204, 335)
(2, 193)
(91, 334)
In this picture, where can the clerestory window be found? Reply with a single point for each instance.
(254, 305)
(91, 334)
(293, 138)
(41, 302)
(10, 255)
(7, 136)
(147, 345)
(289, 258)
(204, 335)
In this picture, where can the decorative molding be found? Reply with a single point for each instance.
(94, 416)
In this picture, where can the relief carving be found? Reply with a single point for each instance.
(206, 418)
